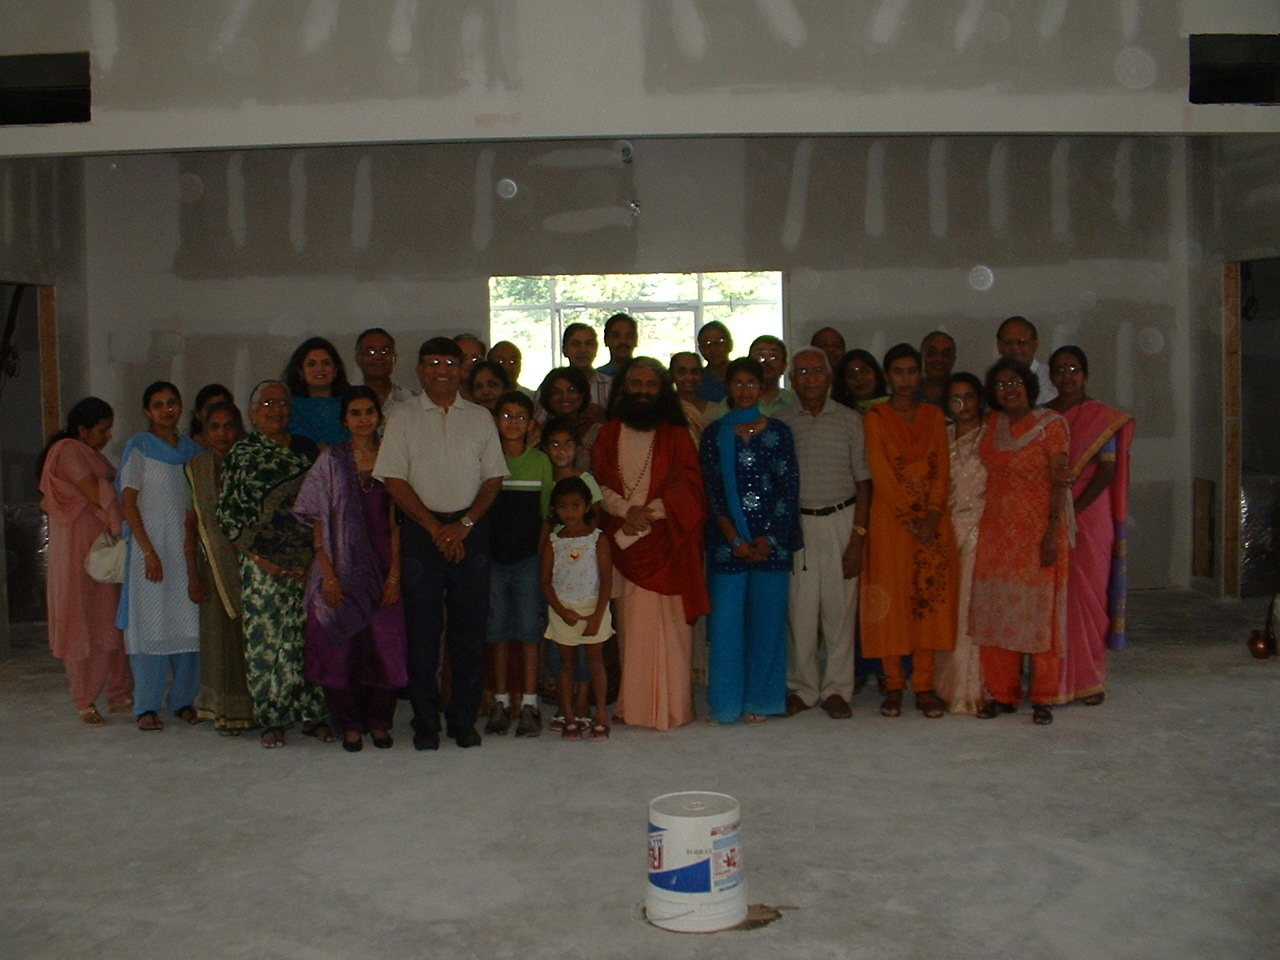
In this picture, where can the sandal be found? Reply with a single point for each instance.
(993, 708)
(120, 706)
(892, 704)
(930, 704)
(557, 723)
(90, 716)
(149, 720)
(321, 731)
(188, 714)
(1041, 713)
(754, 719)
(571, 731)
(599, 732)
(1095, 698)
(272, 737)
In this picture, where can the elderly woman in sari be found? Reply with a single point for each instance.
(1099, 465)
(224, 691)
(261, 479)
(78, 496)
(356, 645)
(959, 672)
(1019, 601)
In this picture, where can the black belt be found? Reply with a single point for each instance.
(828, 511)
(447, 518)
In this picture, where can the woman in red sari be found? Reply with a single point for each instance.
(1019, 601)
(1099, 462)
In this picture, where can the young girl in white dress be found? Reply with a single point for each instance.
(576, 574)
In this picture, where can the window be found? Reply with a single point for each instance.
(669, 308)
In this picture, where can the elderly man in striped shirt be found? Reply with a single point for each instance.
(835, 500)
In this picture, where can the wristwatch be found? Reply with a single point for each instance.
(467, 522)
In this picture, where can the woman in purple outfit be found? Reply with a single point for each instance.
(355, 633)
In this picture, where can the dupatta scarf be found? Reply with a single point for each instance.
(204, 474)
(330, 495)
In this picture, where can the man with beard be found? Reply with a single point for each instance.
(654, 511)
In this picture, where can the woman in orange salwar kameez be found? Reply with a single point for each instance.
(1019, 600)
(909, 587)
(1099, 461)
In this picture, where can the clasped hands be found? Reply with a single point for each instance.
(638, 520)
(448, 540)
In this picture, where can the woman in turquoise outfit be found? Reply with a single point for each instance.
(316, 379)
(753, 528)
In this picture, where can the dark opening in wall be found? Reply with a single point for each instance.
(1235, 68)
(44, 88)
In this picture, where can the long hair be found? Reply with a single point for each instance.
(87, 414)
(668, 405)
(570, 374)
(292, 375)
(840, 392)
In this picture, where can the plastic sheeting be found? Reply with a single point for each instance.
(26, 539)
(1259, 535)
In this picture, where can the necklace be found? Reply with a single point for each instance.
(627, 494)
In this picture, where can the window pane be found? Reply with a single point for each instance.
(742, 286)
(659, 335)
(513, 291)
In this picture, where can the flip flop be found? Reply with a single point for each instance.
(321, 731)
(599, 733)
(571, 730)
(272, 737)
(149, 721)
(90, 717)
(188, 714)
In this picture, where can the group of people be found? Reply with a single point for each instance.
(460, 545)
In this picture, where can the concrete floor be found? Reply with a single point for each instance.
(1143, 828)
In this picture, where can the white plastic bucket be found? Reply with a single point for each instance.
(696, 883)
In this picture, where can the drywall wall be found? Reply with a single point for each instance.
(204, 266)
(219, 73)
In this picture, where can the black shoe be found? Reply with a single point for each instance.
(466, 737)
(352, 746)
(530, 724)
(499, 719)
(383, 742)
(427, 740)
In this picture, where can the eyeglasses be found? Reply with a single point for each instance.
(378, 352)
(434, 363)
(270, 402)
(1067, 368)
(708, 342)
(506, 361)
(810, 371)
(1009, 384)
(515, 417)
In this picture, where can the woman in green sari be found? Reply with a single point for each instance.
(261, 478)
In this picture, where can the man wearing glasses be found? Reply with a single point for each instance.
(376, 358)
(442, 463)
(1017, 340)
(508, 356)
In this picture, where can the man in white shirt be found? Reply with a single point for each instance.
(442, 462)
(1017, 339)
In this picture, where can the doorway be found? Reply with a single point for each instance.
(1259, 444)
(30, 412)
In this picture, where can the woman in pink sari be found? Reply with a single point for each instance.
(1099, 462)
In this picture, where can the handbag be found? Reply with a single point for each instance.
(105, 560)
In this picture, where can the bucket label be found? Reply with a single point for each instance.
(726, 856)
